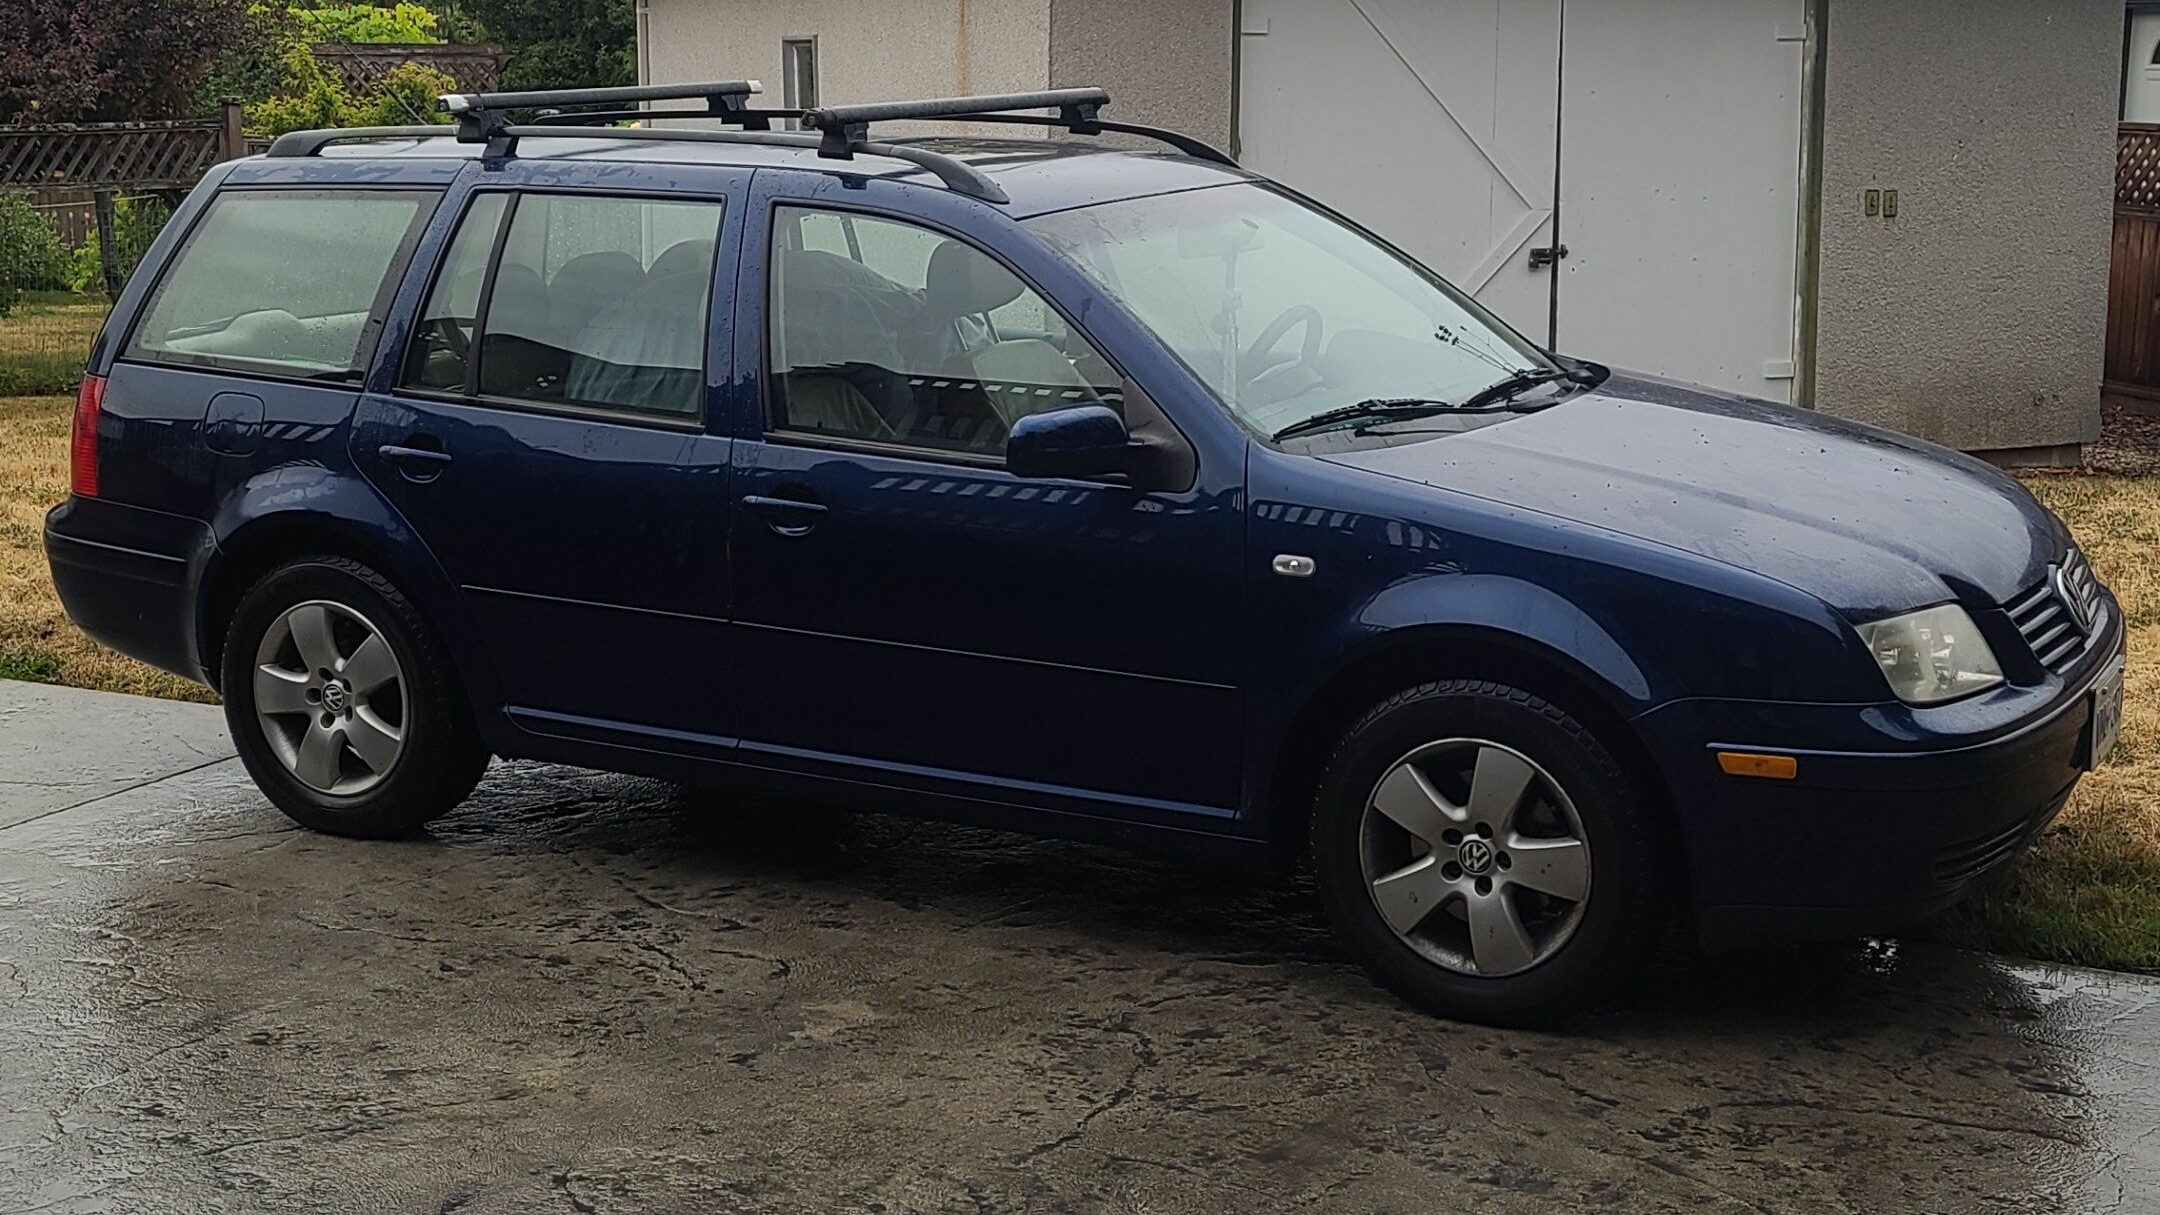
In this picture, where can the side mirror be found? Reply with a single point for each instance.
(1079, 441)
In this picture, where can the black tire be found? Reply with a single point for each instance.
(1620, 919)
(440, 758)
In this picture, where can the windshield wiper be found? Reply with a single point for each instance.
(1387, 408)
(1517, 383)
(1396, 409)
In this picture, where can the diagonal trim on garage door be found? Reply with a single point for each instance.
(1388, 38)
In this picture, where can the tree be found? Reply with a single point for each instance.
(401, 22)
(71, 61)
(561, 43)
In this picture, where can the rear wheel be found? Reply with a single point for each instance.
(342, 704)
(1484, 855)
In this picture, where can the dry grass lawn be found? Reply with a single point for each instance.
(43, 343)
(2088, 893)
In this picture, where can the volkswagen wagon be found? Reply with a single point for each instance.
(1109, 491)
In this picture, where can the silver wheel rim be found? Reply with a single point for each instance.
(330, 697)
(1474, 856)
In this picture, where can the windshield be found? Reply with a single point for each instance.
(1284, 310)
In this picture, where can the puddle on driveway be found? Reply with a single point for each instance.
(594, 993)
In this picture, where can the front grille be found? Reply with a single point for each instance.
(2049, 615)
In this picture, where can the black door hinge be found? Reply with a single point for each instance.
(1546, 256)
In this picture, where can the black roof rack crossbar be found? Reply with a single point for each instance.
(310, 143)
(846, 125)
(1198, 148)
(484, 117)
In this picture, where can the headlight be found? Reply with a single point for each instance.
(1932, 655)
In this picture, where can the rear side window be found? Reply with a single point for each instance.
(586, 301)
(284, 282)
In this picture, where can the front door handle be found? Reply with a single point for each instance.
(787, 516)
(417, 463)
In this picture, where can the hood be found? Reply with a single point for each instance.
(1870, 522)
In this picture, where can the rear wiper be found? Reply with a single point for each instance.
(1387, 409)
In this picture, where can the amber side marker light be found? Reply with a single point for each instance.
(1769, 767)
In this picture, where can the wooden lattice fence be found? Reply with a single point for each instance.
(2133, 329)
(116, 155)
(359, 66)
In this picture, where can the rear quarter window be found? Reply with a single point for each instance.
(284, 282)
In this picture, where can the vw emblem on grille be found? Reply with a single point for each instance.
(1475, 856)
(2079, 607)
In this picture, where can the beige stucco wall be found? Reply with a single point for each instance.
(866, 52)
(1977, 317)
(1166, 62)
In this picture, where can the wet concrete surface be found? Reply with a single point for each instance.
(586, 993)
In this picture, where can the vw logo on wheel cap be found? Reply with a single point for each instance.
(333, 697)
(1475, 856)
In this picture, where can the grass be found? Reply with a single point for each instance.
(37, 640)
(44, 341)
(2087, 893)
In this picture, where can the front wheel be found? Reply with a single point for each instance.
(1484, 855)
(342, 704)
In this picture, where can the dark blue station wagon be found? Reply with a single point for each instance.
(1118, 494)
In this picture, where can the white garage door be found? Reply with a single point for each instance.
(1435, 122)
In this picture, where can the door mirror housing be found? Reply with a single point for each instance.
(1079, 441)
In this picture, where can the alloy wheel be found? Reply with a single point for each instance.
(1474, 856)
(330, 697)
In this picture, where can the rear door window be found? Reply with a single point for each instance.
(284, 282)
(585, 301)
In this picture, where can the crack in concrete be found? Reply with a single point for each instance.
(1825, 1107)
(141, 784)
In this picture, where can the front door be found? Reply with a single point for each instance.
(547, 440)
(906, 604)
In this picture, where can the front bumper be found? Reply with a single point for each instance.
(1895, 813)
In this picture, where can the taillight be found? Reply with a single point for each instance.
(82, 446)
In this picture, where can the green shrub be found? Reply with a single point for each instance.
(31, 255)
(136, 223)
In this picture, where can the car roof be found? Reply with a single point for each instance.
(1040, 175)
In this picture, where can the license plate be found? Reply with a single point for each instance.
(2107, 707)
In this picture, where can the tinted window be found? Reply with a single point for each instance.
(592, 301)
(283, 281)
(887, 331)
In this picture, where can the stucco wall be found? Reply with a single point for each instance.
(1165, 62)
(1977, 317)
(893, 49)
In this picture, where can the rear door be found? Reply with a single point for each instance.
(547, 437)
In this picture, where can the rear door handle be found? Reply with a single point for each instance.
(417, 463)
(787, 516)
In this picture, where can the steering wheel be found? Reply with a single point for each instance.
(454, 338)
(1270, 337)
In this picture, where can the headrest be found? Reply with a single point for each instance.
(610, 272)
(963, 281)
(683, 257)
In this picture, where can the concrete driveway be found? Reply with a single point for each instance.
(593, 994)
